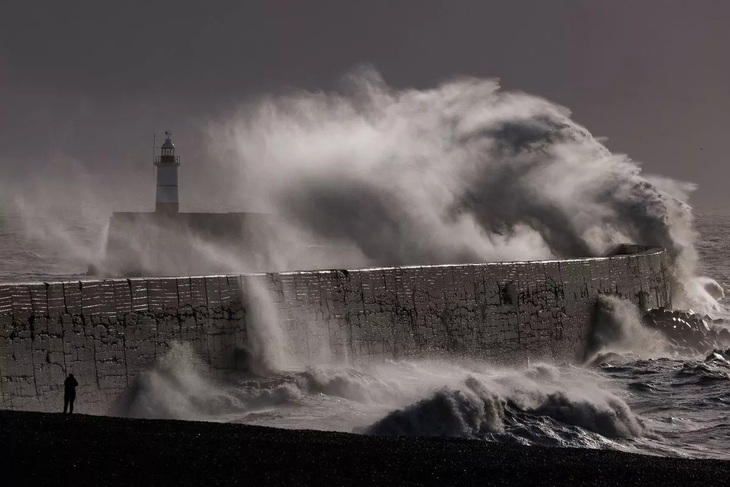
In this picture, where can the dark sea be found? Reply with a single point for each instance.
(641, 400)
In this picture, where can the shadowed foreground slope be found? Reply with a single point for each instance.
(43, 448)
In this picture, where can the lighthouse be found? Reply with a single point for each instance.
(167, 163)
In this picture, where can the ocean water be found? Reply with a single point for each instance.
(643, 399)
(48, 247)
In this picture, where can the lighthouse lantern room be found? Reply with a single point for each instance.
(167, 163)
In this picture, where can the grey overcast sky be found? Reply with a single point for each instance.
(91, 80)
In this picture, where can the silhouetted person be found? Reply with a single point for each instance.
(69, 393)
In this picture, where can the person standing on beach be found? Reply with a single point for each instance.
(69, 393)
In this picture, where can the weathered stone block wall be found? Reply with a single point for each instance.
(507, 312)
(107, 332)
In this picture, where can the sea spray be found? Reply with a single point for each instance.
(521, 407)
(544, 405)
(75, 238)
(269, 347)
(283, 336)
(177, 386)
(462, 172)
(617, 328)
(180, 385)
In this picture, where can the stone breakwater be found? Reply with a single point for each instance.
(106, 332)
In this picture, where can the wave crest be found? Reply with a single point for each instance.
(517, 409)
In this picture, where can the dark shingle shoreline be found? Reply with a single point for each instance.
(43, 449)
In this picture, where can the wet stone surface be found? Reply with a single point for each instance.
(107, 332)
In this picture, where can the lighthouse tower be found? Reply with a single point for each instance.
(167, 163)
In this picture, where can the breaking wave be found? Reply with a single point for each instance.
(181, 386)
(463, 172)
(617, 328)
(544, 405)
(540, 406)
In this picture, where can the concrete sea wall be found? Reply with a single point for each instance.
(106, 332)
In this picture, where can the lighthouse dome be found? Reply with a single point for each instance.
(168, 143)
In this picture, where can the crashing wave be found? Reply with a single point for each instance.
(462, 172)
(539, 411)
